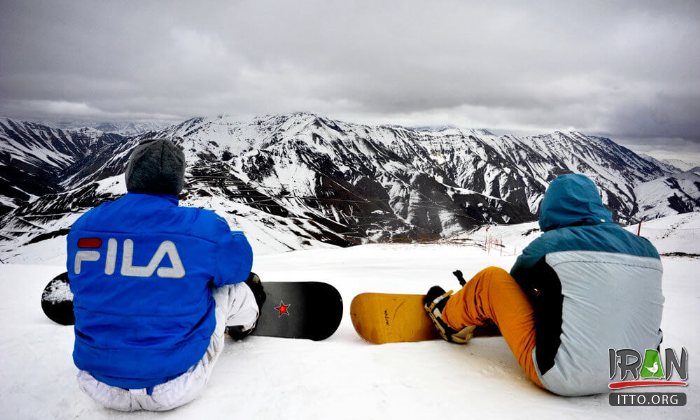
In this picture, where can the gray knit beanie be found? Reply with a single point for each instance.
(156, 166)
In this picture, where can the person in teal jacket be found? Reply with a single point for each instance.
(585, 286)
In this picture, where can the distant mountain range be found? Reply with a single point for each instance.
(125, 128)
(298, 180)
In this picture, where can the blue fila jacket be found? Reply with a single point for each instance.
(142, 271)
(593, 287)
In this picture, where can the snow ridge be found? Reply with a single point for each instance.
(299, 180)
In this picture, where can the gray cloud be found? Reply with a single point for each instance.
(622, 69)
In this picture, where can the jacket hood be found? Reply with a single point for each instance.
(572, 200)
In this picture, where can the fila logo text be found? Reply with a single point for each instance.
(177, 271)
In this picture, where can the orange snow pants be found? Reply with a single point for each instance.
(492, 294)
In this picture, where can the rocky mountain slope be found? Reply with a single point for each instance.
(299, 180)
(666, 196)
(35, 159)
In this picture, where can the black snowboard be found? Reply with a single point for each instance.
(311, 310)
(57, 300)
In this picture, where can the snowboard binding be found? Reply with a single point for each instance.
(434, 303)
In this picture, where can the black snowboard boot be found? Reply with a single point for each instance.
(236, 331)
(434, 302)
(257, 288)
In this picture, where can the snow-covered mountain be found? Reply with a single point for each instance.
(682, 165)
(124, 128)
(666, 196)
(665, 164)
(298, 180)
(34, 158)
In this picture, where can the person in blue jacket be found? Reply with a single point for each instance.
(585, 286)
(156, 286)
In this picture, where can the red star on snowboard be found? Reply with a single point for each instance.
(283, 309)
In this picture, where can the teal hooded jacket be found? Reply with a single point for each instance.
(592, 284)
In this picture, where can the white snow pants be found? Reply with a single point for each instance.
(235, 305)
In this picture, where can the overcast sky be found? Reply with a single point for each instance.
(628, 70)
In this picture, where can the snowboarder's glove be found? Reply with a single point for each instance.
(237, 332)
(434, 302)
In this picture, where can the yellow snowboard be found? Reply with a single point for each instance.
(391, 318)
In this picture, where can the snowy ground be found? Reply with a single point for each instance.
(342, 377)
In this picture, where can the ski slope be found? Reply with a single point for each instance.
(342, 377)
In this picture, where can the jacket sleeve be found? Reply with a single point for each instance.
(541, 285)
(234, 259)
(527, 261)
